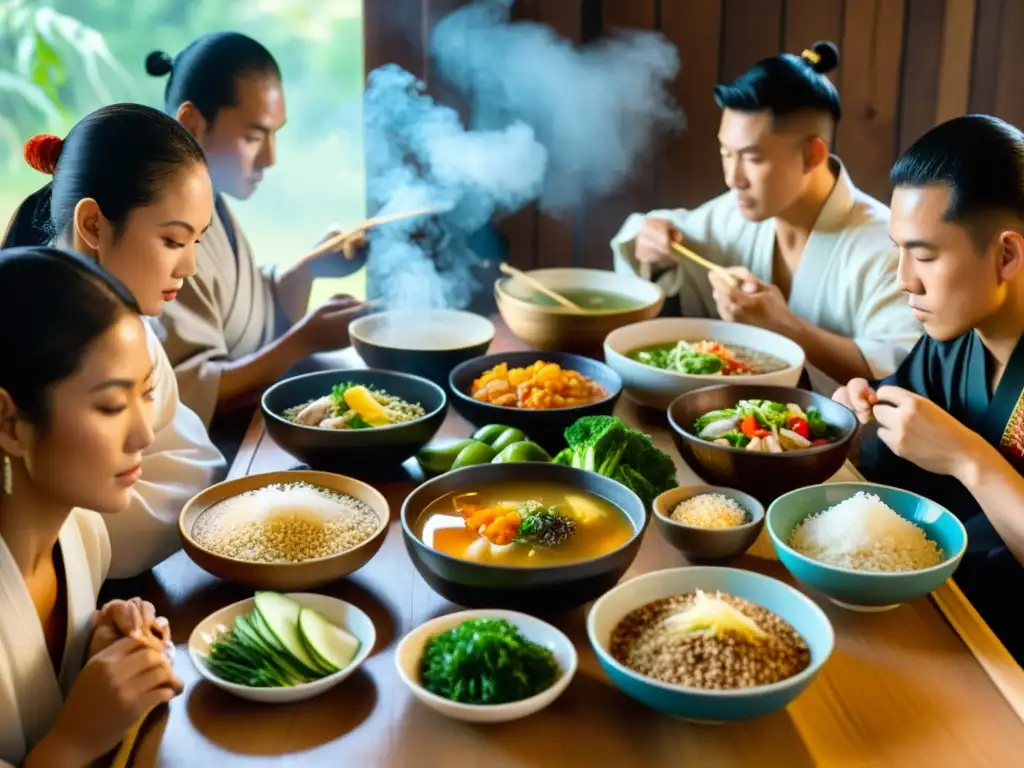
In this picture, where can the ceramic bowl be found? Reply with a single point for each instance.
(544, 426)
(555, 327)
(708, 544)
(353, 450)
(864, 590)
(765, 476)
(699, 704)
(283, 576)
(657, 388)
(542, 590)
(339, 612)
(410, 651)
(427, 343)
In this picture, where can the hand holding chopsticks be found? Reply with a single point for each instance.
(349, 238)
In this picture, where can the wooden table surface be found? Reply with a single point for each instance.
(901, 688)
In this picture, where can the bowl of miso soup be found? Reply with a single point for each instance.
(537, 538)
(608, 301)
(660, 359)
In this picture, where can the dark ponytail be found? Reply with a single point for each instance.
(43, 342)
(205, 71)
(786, 83)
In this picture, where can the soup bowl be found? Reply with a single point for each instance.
(534, 590)
(708, 544)
(765, 476)
(657, 388)
(701, 704)
(543, 324)
(866, 590)
(283, 577)
(353, 450)
(427, 343)
(544, 426)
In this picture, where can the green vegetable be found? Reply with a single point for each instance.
(712, 416)
(506, 438)
(736, 439)
(474, 453)
(605, 445)
(439, 459)
(488, 434)
(682, 358)
(820, 429)
(545, 527)
(522, 451)
(486, 661)
(768, 413)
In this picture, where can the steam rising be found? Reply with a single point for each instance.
(549, 123)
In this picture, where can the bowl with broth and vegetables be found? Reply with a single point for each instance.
(486, 666)
(663, 358)
(607, 300)
(532, 537)
(765, 441)
(364, 420)
(427, 343)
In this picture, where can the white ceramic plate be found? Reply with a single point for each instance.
(657, 388)
(343, 614)
(410, 650)
(429, 330)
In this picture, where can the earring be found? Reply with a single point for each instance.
(8, 476)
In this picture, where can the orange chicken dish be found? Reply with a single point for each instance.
(541, 385)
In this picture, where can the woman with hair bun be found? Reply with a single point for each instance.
(809, 253)
(77, 388)
(131, 190)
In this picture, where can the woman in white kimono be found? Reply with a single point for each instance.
(76, 413)
(131, 190)
(810, 252)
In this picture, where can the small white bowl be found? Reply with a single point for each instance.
(657, 388)
(410, 651)
(345, 615)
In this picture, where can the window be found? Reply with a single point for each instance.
(60, 59)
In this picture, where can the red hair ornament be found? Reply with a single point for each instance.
(43, 151)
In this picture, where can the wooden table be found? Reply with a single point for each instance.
(902, 687)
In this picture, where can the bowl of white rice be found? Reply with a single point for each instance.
(866, 547)
(284, 531)
(708, 523)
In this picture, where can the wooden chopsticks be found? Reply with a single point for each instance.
(341, 239)
(730, 278)
(539, 286)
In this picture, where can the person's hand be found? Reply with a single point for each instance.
(859, 397)
(750, 301)
(115, 688)
(326, 327)
(128, 618)
(918, 430)
(654, 243)
(347, 247)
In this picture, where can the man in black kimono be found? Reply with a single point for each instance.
(951, 419)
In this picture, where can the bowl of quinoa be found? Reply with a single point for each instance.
(708, 523)
(708, 643)
(284, 531)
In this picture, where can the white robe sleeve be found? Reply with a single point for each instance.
(181, 462)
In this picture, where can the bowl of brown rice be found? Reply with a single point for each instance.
(708, 523)
(282, 531)
(710, 644)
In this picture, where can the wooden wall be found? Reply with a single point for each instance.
(905, 65)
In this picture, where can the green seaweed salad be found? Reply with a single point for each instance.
(486, 661)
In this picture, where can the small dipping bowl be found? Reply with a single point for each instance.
(708, 544)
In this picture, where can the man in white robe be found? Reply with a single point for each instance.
(810, 253)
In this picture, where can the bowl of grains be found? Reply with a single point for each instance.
(866, 547)
(284, 531)
(710, 644)
(708, 523)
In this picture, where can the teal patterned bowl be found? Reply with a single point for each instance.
(696, 703)
(866, 590)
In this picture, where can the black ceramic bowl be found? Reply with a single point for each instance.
(427, 343)
(361, 449)
(546, 426)
(532, 590)
(765, 476)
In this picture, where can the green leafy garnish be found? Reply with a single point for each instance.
(545, 527)
(820, 429)
(486, 661)
(682, 358)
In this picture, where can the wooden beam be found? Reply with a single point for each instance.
(394, 32)
(922, 63)
(751, 31)
(985, 64)
(954, 88)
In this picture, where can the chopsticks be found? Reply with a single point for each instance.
(539, 286)
(340, 239)
(730, 278)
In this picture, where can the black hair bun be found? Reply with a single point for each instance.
(827, 57)
(159, 64)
